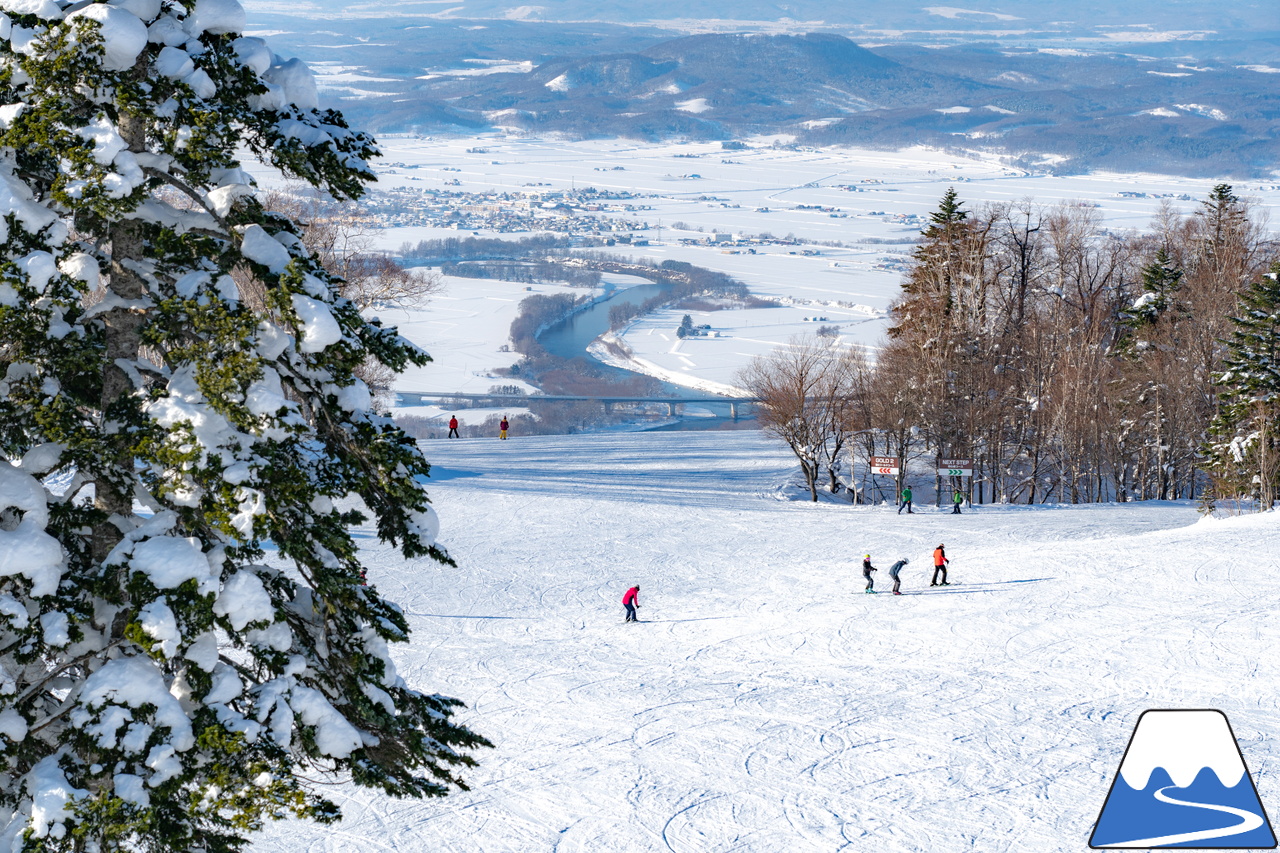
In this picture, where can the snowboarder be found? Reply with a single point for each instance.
(893, 573)
(940, 563)
(867, 569)
(957, 499)
(906, 501)
(502, 428)
(631, 600)
(453, 427)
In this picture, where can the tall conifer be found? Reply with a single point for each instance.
(163, 684)
(1244, 445)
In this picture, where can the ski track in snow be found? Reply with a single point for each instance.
(764, 703)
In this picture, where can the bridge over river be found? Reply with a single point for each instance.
(674, 404)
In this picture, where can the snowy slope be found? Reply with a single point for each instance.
(765, 703)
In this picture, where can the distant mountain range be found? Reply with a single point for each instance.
(936, 18)
(706, 87)
(1203, 107)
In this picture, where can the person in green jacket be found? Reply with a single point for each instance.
(906, 501)
(957, 500)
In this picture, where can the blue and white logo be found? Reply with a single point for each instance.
(1183, 783)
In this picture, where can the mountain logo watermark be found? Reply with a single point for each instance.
(1183, 783)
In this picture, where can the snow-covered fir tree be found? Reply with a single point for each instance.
(1244, 446)
(940, 242)
(163, 685)
(1161, 279)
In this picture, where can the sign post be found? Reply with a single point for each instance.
(888, 466)
(955, 467)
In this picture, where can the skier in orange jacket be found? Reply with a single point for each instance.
(940, 562)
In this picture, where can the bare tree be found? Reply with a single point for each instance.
(895, 401)
(841, 390)
(343, 237)
(804, 397)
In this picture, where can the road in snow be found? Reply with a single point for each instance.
(765, 703)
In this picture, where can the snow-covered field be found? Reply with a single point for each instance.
(464, 327)
(751, 192)
(765, 703)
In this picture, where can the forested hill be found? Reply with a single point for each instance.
(708, 86)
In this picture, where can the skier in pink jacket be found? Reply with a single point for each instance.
(631, 600)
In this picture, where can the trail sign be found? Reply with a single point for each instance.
(955, 467)
(886, 465)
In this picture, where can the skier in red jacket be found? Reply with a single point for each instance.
(631, 600)
(453, 427)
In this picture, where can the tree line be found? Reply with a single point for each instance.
(524, 272)
(685, 281)
(489, 248)
(1069, 362)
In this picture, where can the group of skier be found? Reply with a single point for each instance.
(631, 598)
(940, 563)
(503, 426)
(956, 499)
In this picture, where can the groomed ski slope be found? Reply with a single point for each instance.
(765, 703)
